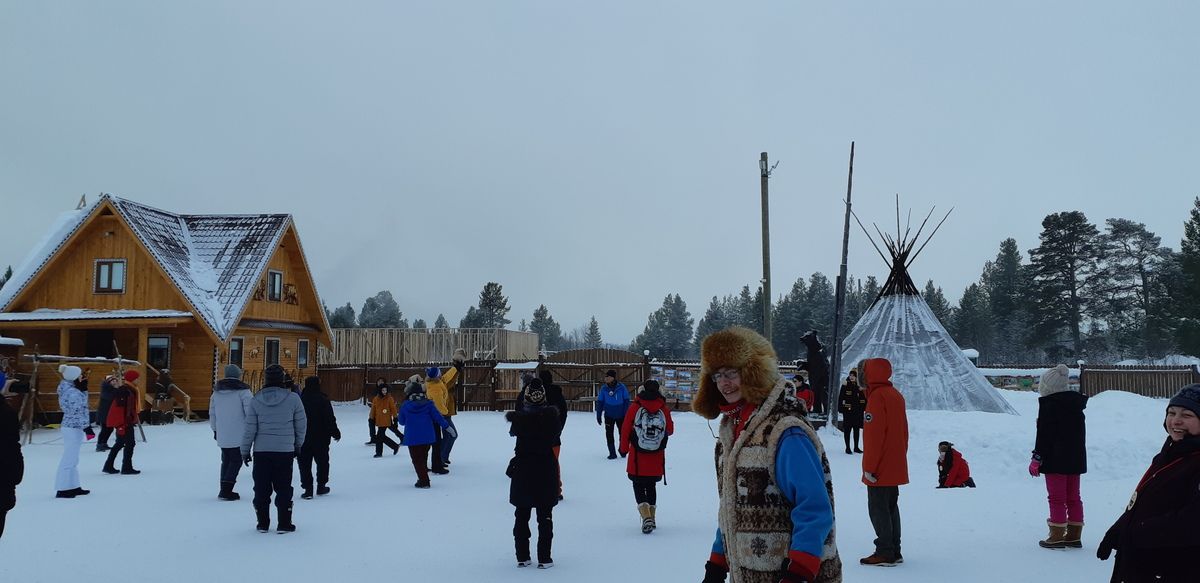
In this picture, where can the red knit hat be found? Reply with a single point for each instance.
(131, 375)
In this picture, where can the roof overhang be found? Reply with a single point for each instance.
(83, 318)
(273, 325)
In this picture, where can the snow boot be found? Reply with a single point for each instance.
(524, 562)
(227, 492)
(264, 518)
(653, 523)
(285, 521)
(1057, 538)
(127, 463)
(81, 492)
(109, 467)
(422, 484)
(1074, 536)
(322, 490)
(307, 494)
(647, 521)
(65, 494)
(545, 564)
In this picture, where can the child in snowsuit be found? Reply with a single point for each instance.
(953, 471)
(418, 415)
(534, 473)
(803, 392)
(644, 437)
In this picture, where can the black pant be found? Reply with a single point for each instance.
(231, 463)
(521, 534)
(124, 442)
(820, 401)
(320, 454)
(846, 434)
(609, 426)
(644, 489)
(273, 473)
(8, 501)
(884, 510)
(436, 464)
(105, 432)
(380, 439)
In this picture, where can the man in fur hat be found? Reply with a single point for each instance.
(771, 525)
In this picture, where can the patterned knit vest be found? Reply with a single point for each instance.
(754, 516)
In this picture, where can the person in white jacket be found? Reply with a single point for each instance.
(227, 417)
(75, 425)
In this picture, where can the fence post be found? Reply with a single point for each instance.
(495, 387)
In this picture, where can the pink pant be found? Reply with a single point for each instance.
(1065, 504)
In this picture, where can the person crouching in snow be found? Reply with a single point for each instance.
(534, 473)
(644, 438)
(418, 415)
(804, 392)
(953, 471)
(1060, 453)
(775, 521)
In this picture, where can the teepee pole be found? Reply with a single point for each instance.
(839, 313)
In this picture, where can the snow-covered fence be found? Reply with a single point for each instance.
(1142, 379)
(406, 345)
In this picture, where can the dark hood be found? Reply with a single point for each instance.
(231, 385)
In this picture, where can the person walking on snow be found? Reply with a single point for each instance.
(122, 417)
(953, 470)
(534, 471)
(775, 519)
(322, 427)
(851, 403)
(554, 398)
(1060, 454)
(383, 414)
(440, 388)
(419, 416)
(76, 423)
(108, 388)
(612, 401)
(644, 436)
(12, 463)
(274, 430)
(885, 459)
(227, 416)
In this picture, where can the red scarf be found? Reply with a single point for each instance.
(740, 412)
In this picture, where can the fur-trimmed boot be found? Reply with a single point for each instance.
(1057, 538)
(653, 524)
(1074, 536)
(647, 519)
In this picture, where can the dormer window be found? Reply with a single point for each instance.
(109, 277)
(274, 286)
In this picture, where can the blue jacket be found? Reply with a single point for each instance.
(418, 416)
(801, 480)
(612, 401)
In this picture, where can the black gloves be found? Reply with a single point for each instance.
(337, 434)
(247, 458)
(714, 573)
(1106, 546)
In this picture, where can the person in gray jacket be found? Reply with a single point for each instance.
(227, 416)
(275, 429)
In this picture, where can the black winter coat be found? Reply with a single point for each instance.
(1157, 539)
(107, 392)
(322, 424)
(1061, 433)
(534, 469)
(12, 464)
(851, 404)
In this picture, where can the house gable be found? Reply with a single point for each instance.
(299, 302)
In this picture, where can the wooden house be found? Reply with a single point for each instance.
(191, 293)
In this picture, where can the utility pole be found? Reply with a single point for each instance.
(835, 369)
(765, 174)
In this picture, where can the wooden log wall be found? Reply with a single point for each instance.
(398, 345)
(1149, 381)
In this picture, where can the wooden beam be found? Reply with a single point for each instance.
(143, 356)
(100, 323)
(64, 341)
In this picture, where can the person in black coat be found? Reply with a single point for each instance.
(818, 371)
(322, 426)
(851, 404)
(1156, 539)
(108, 390)
(1060, 453)
(554, 398)
(12, 464)
(534, 473)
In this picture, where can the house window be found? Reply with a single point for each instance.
(110, 276)
(160, 352)
(235, 351)
(302, 354)
(274, 286)
(272, 356)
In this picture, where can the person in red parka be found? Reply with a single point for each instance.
(885, 458)
(123, 416)
(953, 470)
(644, 438)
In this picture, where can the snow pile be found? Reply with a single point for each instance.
(1169, 360)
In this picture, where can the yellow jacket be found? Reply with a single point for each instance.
(439, 391)
(383, 410)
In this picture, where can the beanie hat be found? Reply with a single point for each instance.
(536, 393)
(1188, 398)
(130, 375)
(312, 383)
(1054, 380)
(69, 372)
(432, 372)
(650, 390)
(274, 376)
(611, 373)
(233, 372)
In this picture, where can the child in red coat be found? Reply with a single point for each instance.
(953, 471)
(644, 438)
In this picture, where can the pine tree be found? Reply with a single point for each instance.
(714, 320)
(1064, 267)
(548, 331)
(668, 332)
(419, 324)
(441, 322)
(938, 303)
(791, 321)
(473, 319)
(1007, 284)
(7, 276)
(971, 324)
(1187, 289)
(523, 326)
(381, 311)
(592, 339)
(1132, 286)
(820, 303)
(342, 317)
(493, 306)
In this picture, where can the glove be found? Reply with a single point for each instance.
(89, 432)
(793, 573)
(246, 459)
(451, 432)
(214, 436)
(1107, 545)
(714, 573)
(872, 478)
(599, 422)
(337, 435)
(1035, 466)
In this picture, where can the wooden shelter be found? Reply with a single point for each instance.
(189, 293)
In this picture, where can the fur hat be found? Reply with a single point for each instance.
(274, 376)
(433, 372)
(1188, 398)
(1054, 380)
(740, 348)
(233, 372)
(69, 372)
(414, 386)
(130, 375)
(535, 394)
(460, 355)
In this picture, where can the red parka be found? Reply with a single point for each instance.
(644, 463)
(885, 427)
(958, 473)
(123, 414)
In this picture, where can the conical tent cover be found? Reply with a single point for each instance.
(928, 368)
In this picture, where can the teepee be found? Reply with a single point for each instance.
(928, 367)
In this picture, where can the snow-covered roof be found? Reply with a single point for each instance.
(11, 341)
(214, 260)
(42, 314)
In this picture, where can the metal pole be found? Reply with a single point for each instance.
(765, 174)
(835, 370)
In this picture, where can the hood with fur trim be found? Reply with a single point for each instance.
(745, 350)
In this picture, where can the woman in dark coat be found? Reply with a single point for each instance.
(1156, 539)
(322, 427)
(1060, 453)
(12, 464)
(534, 473)
(851, 404)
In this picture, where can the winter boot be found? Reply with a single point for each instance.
(285, 521)
(422, 484)
(264, 518)
(65, 494)
(1074, 536)
(1057, 538)
(647, 521)
(109, 468)
(227, 492)
(307, 494)
(322, 490)
(127, 463)
(653, 524)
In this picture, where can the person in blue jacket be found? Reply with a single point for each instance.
(418, 415)
(612, 401)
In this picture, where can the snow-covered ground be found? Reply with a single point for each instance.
(167, 524)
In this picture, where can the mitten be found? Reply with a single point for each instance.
(89, 432)
(1035, 466)
(795, 570)
(247, 458)
(337, 435)
(451, 432)
(714, 573)
(598, 422)
(1107, 545)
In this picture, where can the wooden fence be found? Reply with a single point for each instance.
(361, 346)
(1145, 380)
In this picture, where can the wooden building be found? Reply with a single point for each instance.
(191, 293)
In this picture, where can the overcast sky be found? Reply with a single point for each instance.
(596, 156)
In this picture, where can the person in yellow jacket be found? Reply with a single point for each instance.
(439, 386)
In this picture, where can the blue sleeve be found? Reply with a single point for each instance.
(802, 481)
(719, 544)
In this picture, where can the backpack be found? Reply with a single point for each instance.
(649, 430)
